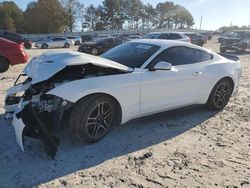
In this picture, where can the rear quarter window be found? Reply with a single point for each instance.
(202, 56)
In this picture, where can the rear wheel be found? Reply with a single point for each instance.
(27, 46)
(4, 65)
(223, 49)
(92, 118)
(220, 94)
(94, 51)
(243, 47)
(44, 46)
(67, 45)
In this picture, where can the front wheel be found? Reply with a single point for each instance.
(27, 46)
(94, 51)
(220, 95)
(44, 46)
(67, 45)
(92, 118)
(223, 49)
(243, 48)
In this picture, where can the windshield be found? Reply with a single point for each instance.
(151, 36)
(132, 54)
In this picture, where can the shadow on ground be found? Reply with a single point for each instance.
(17, 168)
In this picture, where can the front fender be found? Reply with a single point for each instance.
(125, 88)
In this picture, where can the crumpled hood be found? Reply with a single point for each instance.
(46, 65)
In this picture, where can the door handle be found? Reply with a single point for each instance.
(197, 73)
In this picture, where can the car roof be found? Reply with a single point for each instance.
(165, 32)
(167, 43)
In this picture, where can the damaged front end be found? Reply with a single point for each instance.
(40, 115)
(36, 114)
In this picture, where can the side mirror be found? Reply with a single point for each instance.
(162, 65)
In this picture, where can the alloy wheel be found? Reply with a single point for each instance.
(99, 120)
(222, 94)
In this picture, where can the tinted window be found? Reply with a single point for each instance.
(163, 36)
(58, 39)
(109, 40)
(174, 36)
(192, 36)
(182, 56)
(151, 36)
(202, 56)
(131, 54)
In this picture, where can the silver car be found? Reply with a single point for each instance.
(168, 36)
(53, 42)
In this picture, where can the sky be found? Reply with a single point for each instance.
(215, 13)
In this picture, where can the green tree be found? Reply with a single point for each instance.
(11, 17)
(44, 16)
(74, 11)
(113, 13)
(172, 16)
(91, 17)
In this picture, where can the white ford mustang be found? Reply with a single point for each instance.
(89, 94)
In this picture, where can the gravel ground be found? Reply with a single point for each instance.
(188, 148)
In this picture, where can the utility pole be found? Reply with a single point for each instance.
(200, 22)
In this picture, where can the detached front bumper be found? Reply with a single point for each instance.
(30, 119)
(18, 126)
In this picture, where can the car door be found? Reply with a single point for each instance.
(53, 43)
(107, 44)
(168, 89)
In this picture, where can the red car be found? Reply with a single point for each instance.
(11, 53)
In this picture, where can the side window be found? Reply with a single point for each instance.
(174, 36)
(202, 56)
(176, 56)
(109, 40)
(57, 39)
(163, 36)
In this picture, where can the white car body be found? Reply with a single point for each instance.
(55, 42)
(75, 40)
(139, 91)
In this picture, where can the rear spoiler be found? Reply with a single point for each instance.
(231, 57)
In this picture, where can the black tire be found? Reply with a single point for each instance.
(87, 122)
(4, 65)
(77, 43)
(220, 94)
(200, 44)
(67, 45)
(27, 46)
(223, 50)
(45, 46)
(243, 48)
(94, 51)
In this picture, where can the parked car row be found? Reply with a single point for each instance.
(100, 44)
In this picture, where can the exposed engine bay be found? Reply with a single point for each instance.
(40, 115)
